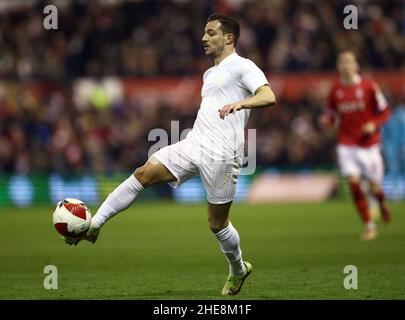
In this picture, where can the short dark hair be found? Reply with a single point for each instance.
(228, 25)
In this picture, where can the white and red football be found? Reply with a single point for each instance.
(71, 217)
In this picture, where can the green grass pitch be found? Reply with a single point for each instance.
(166, 251)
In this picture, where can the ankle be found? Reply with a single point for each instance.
(370, 225)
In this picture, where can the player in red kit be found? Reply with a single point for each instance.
(358, 108)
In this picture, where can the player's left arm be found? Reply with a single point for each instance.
(382, 111)
(263, 97)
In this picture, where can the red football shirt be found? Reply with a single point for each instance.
(353, 105)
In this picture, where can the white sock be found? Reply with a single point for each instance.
(118, 200)
(370, 225)
(230, 245)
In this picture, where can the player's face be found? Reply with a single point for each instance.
(213, 39)
(347, 64)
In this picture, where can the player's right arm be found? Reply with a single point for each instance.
(382, 111)
(329, 117)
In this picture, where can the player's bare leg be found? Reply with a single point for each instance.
(378, 193)
(228, 237)
(360, 202)
(153, 172)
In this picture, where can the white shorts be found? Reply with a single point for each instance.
(218, 177)
(361, 162)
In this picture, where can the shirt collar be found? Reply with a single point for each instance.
(356, 80)
(228, 58)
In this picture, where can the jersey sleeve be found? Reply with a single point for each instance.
(331, 106)
(378, 97)
(251, 77)
(381, 106)
(331, 101)
(330, 111)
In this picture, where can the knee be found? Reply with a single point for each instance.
(353, 180)
(354, 185)
(375, 187)
(216, 226)
(142, 176)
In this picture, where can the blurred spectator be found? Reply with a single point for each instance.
(394, 151)
(148, 38)
(394, 142)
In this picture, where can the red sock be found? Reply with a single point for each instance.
(380, 196)
(360, 201)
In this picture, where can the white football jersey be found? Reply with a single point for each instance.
(233, 79)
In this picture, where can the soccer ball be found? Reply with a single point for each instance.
(71, 218)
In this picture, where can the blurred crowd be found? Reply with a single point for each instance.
(46, 130)
(149, 38)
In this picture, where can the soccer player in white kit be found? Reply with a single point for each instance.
(213, 149)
